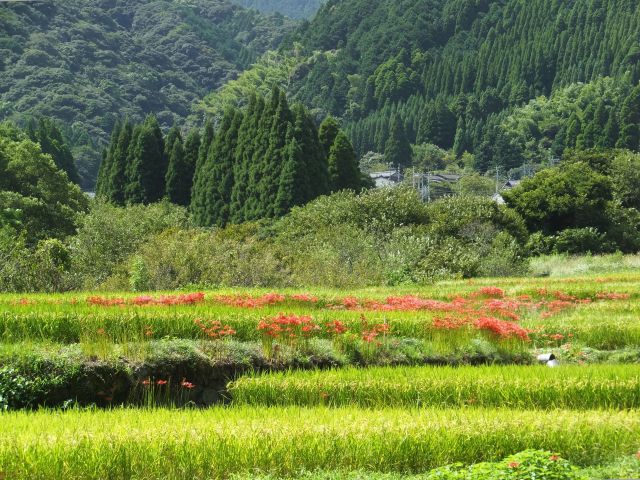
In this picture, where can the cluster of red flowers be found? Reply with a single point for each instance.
(336, 327)
(372, 334)
(501, 328)
(105, 302)
(304, 297)
(488, 292)
(183, 299)
(214, 328)
(406, 303)
(288, 326)
(612, 296)
(246, 301)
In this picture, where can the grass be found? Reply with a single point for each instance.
(602, 324)
(573, 387)
(153, 444)
(349, 423)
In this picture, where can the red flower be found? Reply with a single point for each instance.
(161, 382)
(186, 384)
(146, 382)
(513, 465)
(554, 458)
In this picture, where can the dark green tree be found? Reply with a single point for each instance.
(48, 135)
(118, 175)
(327, 133)
(179, 173)
(148, 166)
(630, 121)
(397, 151)
(343, 165)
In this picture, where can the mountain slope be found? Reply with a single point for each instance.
(290, 8)
(452, 69)
(86, 63)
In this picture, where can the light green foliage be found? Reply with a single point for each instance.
(108, 235)
(31, 183)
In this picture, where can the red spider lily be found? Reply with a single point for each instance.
(336, 327)
(491, 292)
(187, 385)
(638, 454)
(513, 465)
(304, 297)
(142, 300)
(146, 382)
(502, 328)
(556, 336)
(105, 302)
(554, 458)
(101, 331)
(370, 335)
(350, 303)
(246, 301)
(185, 299)
(449, 323)
(288, 326)
(161, 382)
(214, 328)
(613, 296)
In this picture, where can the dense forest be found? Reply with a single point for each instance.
(88, 63)
(290, 8)
(459, 74)
(259, 163)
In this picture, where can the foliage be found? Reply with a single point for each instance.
(108, 235)
(81, 62)
(30, 183)
(290, 8)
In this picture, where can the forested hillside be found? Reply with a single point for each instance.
(87, 63)
(290, 8)
(451, 73)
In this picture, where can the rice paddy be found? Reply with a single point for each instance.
(357, 421)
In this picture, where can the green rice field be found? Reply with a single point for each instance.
(431, 382)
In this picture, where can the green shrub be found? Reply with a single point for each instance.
(109, 235)
(581, 240)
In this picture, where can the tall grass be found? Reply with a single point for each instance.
(154, 444)
(602, 386)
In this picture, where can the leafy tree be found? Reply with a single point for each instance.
(571, 196)
(46, 203)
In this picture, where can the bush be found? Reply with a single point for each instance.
(581, 240)
(109, 235)
(231, 257)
